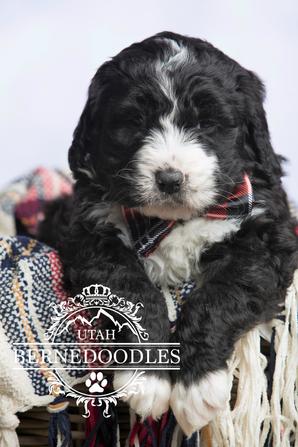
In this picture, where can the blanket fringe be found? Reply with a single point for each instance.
(254, 421)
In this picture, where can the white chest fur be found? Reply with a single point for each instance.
(178, 255)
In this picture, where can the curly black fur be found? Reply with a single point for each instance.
(245, 277)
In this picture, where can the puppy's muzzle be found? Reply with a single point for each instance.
(169, 181)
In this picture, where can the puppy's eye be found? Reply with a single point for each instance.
(127, 119)
(206, 124)
(112, 159)
(135, 121)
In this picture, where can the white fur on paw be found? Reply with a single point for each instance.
(198, 404)
(152, 396)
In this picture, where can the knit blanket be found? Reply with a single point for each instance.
(31, 280)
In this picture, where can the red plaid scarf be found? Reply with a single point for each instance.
(148, 232)
(238, 204)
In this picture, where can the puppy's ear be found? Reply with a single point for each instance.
(79, 153)
(86, 135)
(258, 145)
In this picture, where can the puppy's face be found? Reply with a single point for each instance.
(165, 127)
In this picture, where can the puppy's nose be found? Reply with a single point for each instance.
(169, 181)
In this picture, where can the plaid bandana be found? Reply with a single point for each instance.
(148, 232)
(238, 204)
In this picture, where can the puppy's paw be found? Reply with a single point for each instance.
(196, 405)
(152, 396)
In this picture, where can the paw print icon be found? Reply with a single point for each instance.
(96, 383)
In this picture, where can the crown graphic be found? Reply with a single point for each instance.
(95, 294)
(96, 291)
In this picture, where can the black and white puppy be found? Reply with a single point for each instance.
(170, 127)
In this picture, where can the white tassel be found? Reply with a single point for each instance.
(177, 437)
(284, 408)
(242, 425)
(8, 436)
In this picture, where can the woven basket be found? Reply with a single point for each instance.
(33, 428)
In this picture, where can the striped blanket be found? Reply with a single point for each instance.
(30, 282)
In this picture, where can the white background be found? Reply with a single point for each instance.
(49, 50)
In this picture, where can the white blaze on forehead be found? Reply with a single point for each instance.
(175, 56)
(174, 148)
